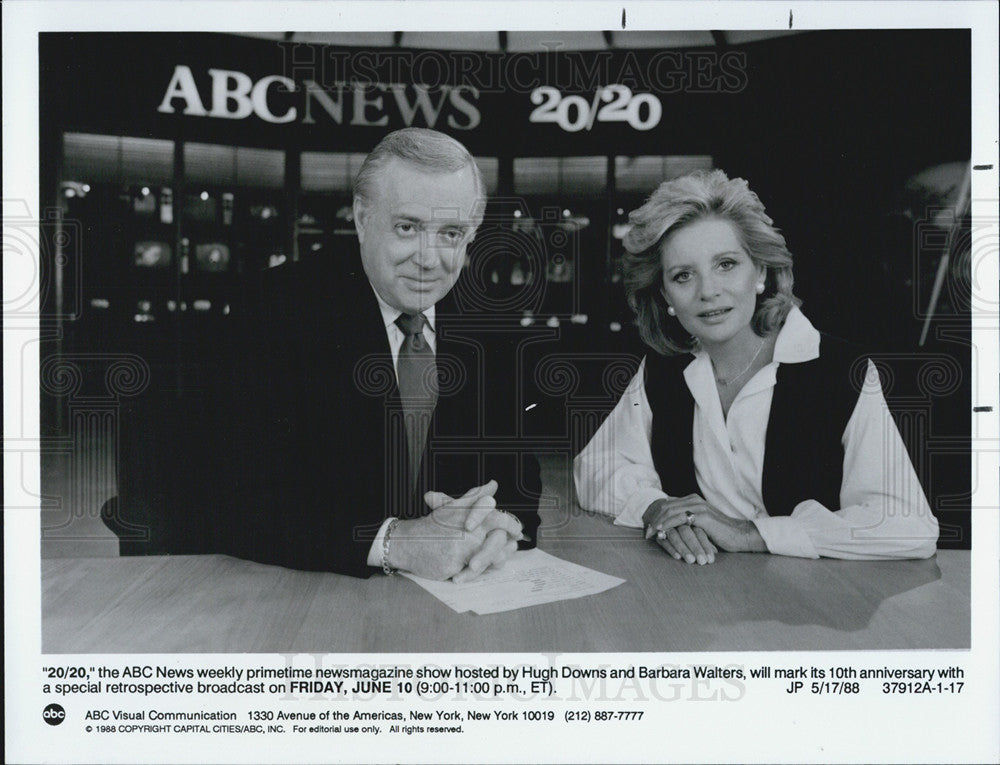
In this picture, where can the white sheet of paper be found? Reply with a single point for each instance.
(529, 578)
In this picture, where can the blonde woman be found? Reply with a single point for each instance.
(745, 429)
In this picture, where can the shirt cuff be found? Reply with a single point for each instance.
(635, 506)
(375, 551)
(784, 535)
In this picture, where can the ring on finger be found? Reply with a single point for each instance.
(690, 518)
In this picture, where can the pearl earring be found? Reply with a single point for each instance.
(760, 287)
(671, 311)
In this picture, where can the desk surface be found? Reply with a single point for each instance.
(215, 603)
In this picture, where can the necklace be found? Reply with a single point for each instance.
(724, 381)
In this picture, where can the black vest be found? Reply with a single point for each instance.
(803, 454)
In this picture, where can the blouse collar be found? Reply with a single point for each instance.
(797, 342)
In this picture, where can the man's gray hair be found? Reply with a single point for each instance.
(426, 148)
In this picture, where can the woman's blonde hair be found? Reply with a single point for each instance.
(676, 203)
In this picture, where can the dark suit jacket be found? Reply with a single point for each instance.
(293, 450)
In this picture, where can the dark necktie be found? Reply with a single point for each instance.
(418, 386)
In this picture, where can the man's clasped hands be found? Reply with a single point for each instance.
(459, 539)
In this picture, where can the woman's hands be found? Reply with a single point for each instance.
(667, 521)
(690, 528)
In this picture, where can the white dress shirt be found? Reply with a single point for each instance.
(396, 338)
(883, 512)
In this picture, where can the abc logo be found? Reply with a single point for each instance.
(54, 714)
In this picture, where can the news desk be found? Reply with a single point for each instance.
(215, 603)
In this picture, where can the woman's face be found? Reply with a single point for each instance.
(710, 280)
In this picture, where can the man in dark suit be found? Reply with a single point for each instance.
(349, 434)
(351, 427)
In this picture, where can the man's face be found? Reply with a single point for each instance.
(413, 232)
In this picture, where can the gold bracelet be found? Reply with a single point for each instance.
(389, 570)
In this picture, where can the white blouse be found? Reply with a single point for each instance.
(883, 512)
